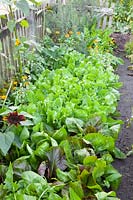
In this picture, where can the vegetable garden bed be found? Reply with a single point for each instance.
(58, 132)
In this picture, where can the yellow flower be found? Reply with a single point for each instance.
(96, 50)
(24, 77)
(78, 33)
(96, 41)
(26, 83)
(17, 42)
(3, 97)
(112, 41)
(89, 47)
(15, 83)
(57, 32)
(70, 32)
(14, 88)
(67, 35)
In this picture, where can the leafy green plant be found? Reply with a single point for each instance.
(66, 149)
(10, 131)
(129, 48)
(75, 13)
(123, 16)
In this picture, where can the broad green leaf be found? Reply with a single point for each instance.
(74, 125)
(81, 154)
(13, 108)
(32, 177)
(5, 112)
(26, 123)
(104, 195)
(115, 131)
(24, 23)
(38, 136)
(42, 149)
(77, 187)
(100, 142)
(67, 149)
(23, 6)
(20, 165)
(62, 176)
(80, 114)
(53, 142)
(72, 174)
(99, 169)
(27, 115)
(92, 184)
(25, 197)
(90, 160)
(73, 194)
(113, 177)
(58, 186)
(54, 196)
(9, 178)
(118, 153)
(11, 25)
(6, 140)
(108, 158)
(60, 135)
(84, 175)
(29, 149)
(24, 134)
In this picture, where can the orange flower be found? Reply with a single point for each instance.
(3, 97)
(4, 118)
(67, 35)
(78, 33)
(17, 42)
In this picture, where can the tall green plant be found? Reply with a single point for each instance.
(24, 6)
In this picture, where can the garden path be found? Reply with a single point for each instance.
(125, 140)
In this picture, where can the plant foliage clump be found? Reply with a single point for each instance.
(63, 144)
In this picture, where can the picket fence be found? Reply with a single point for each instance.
(36, 30)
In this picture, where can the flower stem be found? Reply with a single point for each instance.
(7, 93)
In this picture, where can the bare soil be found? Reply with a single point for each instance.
(125, 140)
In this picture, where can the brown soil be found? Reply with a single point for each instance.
(125, 140)
(120, 40)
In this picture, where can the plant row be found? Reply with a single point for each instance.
(58, 133)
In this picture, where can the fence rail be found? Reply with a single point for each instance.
(36, 19)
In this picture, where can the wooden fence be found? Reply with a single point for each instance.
(36, 19)
(8, 63)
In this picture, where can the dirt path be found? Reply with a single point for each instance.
(125, 167)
